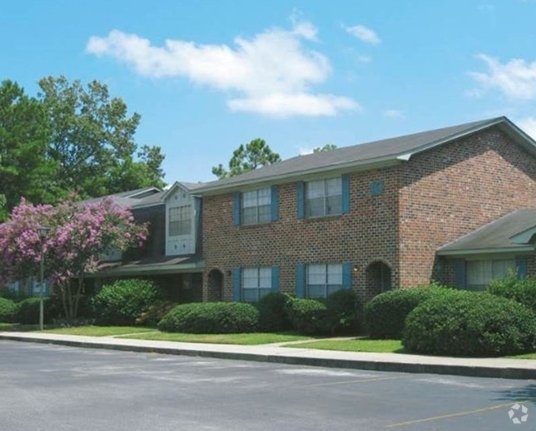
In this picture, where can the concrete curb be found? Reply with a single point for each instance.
(361, 364)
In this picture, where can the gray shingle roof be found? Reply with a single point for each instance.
(361, 153)
(495, 235)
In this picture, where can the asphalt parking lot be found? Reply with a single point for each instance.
(55, 388)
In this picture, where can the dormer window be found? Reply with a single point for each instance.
(180, 220)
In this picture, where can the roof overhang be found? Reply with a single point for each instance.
(140, 268)
(525, 237)
(523, 249)
(303, 175)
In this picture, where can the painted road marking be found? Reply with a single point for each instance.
(452, 415)
(346, 382)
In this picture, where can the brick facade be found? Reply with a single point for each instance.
(449, 191)
(428, 201)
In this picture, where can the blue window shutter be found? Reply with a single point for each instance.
(347, 275)
(521, 265)
(275, 202)
(300, 197)
(345, 193)
(459, 273)
(300, 281)
(237, 284)
(275, 279)
(236, 208)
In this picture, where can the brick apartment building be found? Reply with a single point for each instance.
(456, 205)
(373, 216)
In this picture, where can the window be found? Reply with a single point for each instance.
(180, 220)
(256, 282)
(323, 279)
(256, 206)
(323, 197)
(481, 272)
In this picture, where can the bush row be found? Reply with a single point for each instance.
(441, 321)
(125, 302)
(472, 324)
(339, 313)
(386, 313)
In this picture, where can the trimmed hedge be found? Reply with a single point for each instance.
(344, 312)
(522, 291)
(272, 316)
(124, 301)
(211, 318)
(386, 313)
(8, 309)
(155, 313)
(307, 316)
(470, 324)
(28, 311)
(338, 313)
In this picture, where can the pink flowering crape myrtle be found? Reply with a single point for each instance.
(79, 234)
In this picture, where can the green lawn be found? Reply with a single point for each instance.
(100, 331)
(91, 331)
(524, 356)
(354, 345)
(243, 339)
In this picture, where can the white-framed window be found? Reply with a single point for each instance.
(180, 220)
(256, 206)
(256, 282)
(323, 197)
(323, 279)
(479, 273)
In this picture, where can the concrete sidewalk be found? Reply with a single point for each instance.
(477, 367)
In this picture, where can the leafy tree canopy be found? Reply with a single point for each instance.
(326, 147)
(24, 136)
(247, 158)
(69, 138)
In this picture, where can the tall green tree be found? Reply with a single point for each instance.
(24, 136)
(92, 140)
(247, 158)
(327, 147)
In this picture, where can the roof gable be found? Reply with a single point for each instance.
(367, 155)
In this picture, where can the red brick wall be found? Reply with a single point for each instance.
(366, 234)
(451, 190)
(434, 198)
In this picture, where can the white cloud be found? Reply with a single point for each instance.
(393, 113)
(528, 124)
(364, 58)
(303, 151)
(363, 33)
(516, 79)
(271, 73)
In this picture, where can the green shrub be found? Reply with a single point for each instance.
(308, 316)
(343, 312)
(522, 291)
(470, 324)
(211, 318)
(124, 301)
(386, 313)
(8, 309)
(272, 316)
(155, 313)
(28, 311)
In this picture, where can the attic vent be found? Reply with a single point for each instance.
(376, 187)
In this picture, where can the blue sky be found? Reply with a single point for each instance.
(207, 76)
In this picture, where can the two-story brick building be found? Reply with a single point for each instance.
(373, 216)
(456, 205)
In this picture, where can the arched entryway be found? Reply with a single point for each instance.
(215, 285)
(378, 277)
